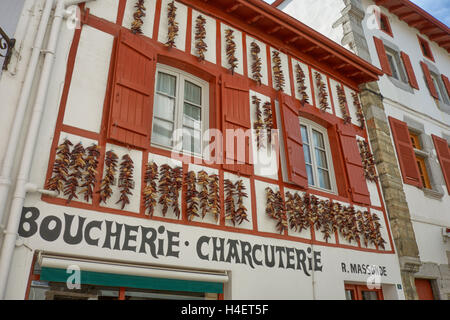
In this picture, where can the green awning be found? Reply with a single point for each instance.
(129, 281)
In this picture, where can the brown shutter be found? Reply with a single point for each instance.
(132, 91)
(236, 118)
(409, 71)
(446, 84)
(429, 81)
(357, 181)
(443, 153)
(384, 62)
(405, 153)
(293, 143)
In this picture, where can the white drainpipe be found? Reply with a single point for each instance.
(22, 185)
(13, 141)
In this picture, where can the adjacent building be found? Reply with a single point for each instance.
(200, 149)
(408, 116)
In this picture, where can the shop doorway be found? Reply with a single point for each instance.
(362, 292)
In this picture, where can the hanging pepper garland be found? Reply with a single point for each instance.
(368, 161)
(278, 71)
(139, 14)
(91, 160)
(230, 208)
(343, 104)
(126, 183)
(327, 216)
(192, 196)
(275, 209)
(322, 92)
(165, 185)
(200, 36)
(150, 189)
(301, 86)
(241, 212)
(268, 120)
(176, 186)
(172, 30)
(359, 110)
(108, 180)
(60, 167)
(231, 50)
(214, 196)
(203, 195)
(76, 166)
(258, 126)
(256, 62)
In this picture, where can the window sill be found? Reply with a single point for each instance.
(402, 85)
(443, 106)
(432, 194)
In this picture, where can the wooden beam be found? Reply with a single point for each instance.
(233, 7)
(273, 30)
(254, 19)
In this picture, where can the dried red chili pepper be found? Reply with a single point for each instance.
(192, 198)
(368, 161)
(259, 124)
(173, 28)
(278, 71)
(230, 207)
(301, 86)
(177, 184)
(256, 62)
(322, 92)
(343, 104)
(241, 211)
(108, 180)
(90, 174)
(150, 190)
(268, 120)
(214, 196)
(76, 167)
(139, 14)
(359, 110)
(231, 50)
(203, 195)
(126, 183)
(165, 185)
(275, 208)
(60, 169)
(200, 36)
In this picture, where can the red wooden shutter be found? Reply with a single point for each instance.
(385, 66)
(409, 71)
(443, 153)
(405, 153)
(293, 143)
(236, 117)
(446, 84)
(132, 91)
(429, 81)
(353, 163)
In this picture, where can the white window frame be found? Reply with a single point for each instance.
(397, 65)
(442, 94)
(310, 125)
(181, 77)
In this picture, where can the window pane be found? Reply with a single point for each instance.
(369, 295)
(321, 159)
(393, 66)
(191, 140)
(166, 84)
(162, 132)
(349, 295)
(318, 139)
(164, 107)
(307, 153)
(305, 136)
(192, 116)
(324, 179)
(309, 171)
(192, 93)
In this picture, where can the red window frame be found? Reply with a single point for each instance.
(383, 19)
(357, 291)
(424, 43)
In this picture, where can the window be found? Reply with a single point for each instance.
(384, 24)
(362, 292)
(317, 153)
(442, 94)
(396, 65)
(420, 160)
(425, 47)
(181, 103)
